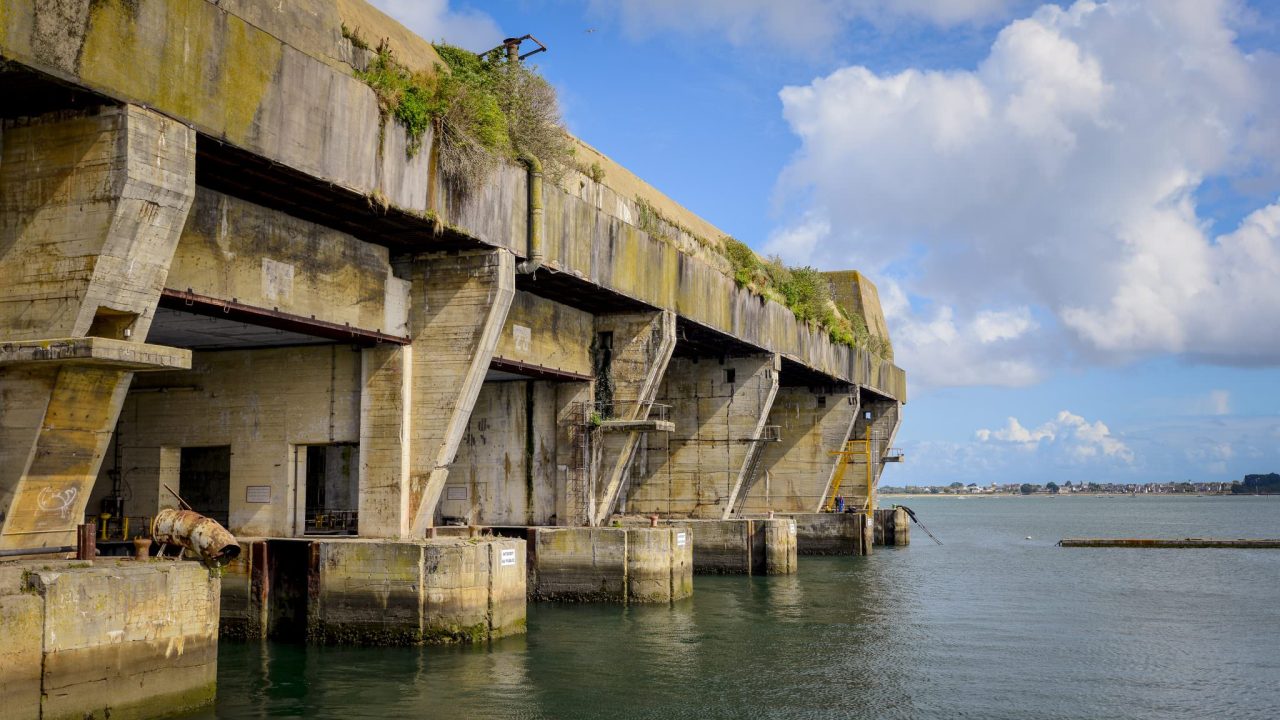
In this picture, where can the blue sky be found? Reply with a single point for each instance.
(1072, 210)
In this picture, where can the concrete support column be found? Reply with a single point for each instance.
(720, 408)
(91, 208)
(386, 397)
(628, 374)
(458, 304)
(796, 473)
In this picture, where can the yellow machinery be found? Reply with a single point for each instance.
(854, 452)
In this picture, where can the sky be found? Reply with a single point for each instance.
(1072, 210)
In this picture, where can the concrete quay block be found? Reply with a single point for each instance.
(398, 592)
(366, 593)
(119, 639)
(743, 546)
(831, 533)
(643, 565)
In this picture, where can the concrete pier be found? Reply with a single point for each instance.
(833, 533)
(608, 564)
(749, 546)
(376, 592)
(117, 639)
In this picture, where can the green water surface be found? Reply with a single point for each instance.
(989, 625)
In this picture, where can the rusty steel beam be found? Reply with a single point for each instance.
(187, 301)
(537, 372)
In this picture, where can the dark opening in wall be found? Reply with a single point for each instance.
(822, 401)
(730, 375)
(204, 480)
(332, 489)
(602, 364)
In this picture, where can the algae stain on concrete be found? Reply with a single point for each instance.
(214, 68)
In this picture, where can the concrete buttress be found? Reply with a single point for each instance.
(458, 305)
(91, 208)
(796, 472)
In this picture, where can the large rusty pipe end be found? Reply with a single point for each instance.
(203, 536)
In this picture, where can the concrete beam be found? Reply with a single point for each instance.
(94, 352)
(458, 308)
(93, 207)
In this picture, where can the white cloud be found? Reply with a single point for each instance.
(1058, 176)
(798, 24)
(991, 326)
(1070, 434)
(433, 20)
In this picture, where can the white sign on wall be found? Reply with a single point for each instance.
(455, 492)
(257, 494)
(793, 528)
(680, 539)
(523, 337)
(509, 556)
(277, 280)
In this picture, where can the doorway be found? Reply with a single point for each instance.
(331, 478)
(204, 481)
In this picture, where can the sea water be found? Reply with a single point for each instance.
(988, 625)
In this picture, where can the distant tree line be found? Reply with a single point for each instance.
(1268, 484)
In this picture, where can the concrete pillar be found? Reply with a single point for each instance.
(720, 408)
(385, 400)
(458, 304)
(91, 208)
(796, 472)
(631, 356)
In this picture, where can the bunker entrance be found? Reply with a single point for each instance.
(204, 480)
(331, 482)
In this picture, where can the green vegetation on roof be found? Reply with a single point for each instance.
(805, 291)
(481, 108)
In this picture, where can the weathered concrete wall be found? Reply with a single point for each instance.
(233, 249)
(22, 617)
(431, 591)
(112, 639)
(610, 564)
(278, 101)
(504, 473)
(796, 472)
(547, 334)
(857, 294)
(90, 213)
(719, 409)
(263, 403)
(584, 239)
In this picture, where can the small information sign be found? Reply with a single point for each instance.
(509, 556)
(257, 494)
(680, 539)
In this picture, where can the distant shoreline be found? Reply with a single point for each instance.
(966, 496)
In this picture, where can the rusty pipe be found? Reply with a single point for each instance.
(193, 531)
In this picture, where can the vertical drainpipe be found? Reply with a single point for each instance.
(534, 251)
